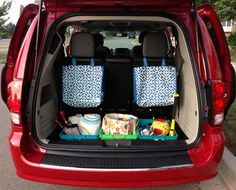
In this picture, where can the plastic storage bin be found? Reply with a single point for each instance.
(147, 123)
(133, 136)
(64, 136)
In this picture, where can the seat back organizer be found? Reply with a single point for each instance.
(115, 101)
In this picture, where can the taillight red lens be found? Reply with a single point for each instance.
(14, 100)
(218, 89)
(219, 101)
(219, 105)
(14, 90)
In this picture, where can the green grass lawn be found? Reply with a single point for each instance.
(233, 54)
(3, 57)
(230, 129)
(230, 121)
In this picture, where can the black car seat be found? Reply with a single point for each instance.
(101, 50)
(82, 53)
(118, 85)
(137, 51)
(155, 48)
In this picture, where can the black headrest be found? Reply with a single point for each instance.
(155, 45)
(99, 40)
(82, 45)
(141, 36)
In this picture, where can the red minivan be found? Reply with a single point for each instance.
(56, 34)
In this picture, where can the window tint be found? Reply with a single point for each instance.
(115, 40)
(211, 32)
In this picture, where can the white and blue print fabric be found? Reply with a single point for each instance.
(154, 85)
(82, 85)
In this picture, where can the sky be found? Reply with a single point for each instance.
(14, 12)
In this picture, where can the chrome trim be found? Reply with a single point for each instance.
(115, 170)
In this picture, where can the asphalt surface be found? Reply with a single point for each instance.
(234, 65)
(4, 45)
(9, 180)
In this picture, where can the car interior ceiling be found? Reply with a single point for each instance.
(118, 64)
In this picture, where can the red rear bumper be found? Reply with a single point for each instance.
(205, 157)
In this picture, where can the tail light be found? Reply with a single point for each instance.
(14, 101)
(219, 101)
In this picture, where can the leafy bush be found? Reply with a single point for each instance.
(232, 39)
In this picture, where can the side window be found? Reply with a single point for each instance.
(26, 28)
(211, 31)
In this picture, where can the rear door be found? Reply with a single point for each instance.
(214, 27)
(18, 37)
(78, 5)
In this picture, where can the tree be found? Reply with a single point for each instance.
(200, 2)
(232, 40)
(4, 8)
(8, 30)
(21, 8)
(226, 9)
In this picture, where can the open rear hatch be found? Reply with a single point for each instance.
(159, 5)
(96, 153)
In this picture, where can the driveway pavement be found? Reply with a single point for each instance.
(4, 43)
(234, 65)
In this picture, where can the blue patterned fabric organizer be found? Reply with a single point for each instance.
(82, 85)
(154, 85)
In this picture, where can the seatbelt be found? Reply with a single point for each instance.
(145, 62)
(92, 62)
(163, 62)
(74, 62)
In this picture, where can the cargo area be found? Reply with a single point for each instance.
(110, 101)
